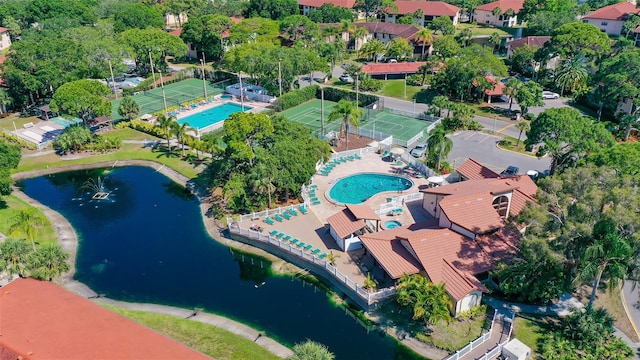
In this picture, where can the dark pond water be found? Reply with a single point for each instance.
(147, 243)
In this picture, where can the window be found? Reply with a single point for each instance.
(501, 204)
(488, 14)
(604, 23)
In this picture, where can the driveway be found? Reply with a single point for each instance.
(536, 110)
(482, 147)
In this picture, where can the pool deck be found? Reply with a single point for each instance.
(312, 228)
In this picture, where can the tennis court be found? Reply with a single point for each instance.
(150, 101)
(401, 127)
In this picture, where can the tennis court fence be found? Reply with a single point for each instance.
(419, 116)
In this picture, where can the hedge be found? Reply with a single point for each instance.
(144, 127)
(295, 98)
(337, 94)
(16, 140)
(148, 83)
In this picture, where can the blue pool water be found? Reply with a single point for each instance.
(64, 122)
(212, 116)
(226, 97)
(356, 189)
(392, 224)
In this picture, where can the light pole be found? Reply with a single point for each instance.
(164, 98)
(494, 123)
(113, 80)
(357, 102)
(204, 80)
(152, 72)
(321, 110)
(280, 75)
(241, 94)
(405, 85)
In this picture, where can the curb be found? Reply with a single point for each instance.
(627, 312)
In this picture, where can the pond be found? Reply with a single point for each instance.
(146, 242)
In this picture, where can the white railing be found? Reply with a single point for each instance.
(265, 213)
(369, 297)
(495, 351)
(397, 202)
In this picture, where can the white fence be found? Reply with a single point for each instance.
(419, 116)
(495, 351)
(397, 202)
(369, 297)
(263, 214)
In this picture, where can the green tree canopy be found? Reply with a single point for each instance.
(158, 42)
(399, 48)
(311, 350)
(137, 16)
(429, 302)
(446, 46)
(73, 138)
(9, 158)
(577, 38)
(271, 9)
(205, 34)
(299, 27)
(529, 94)
(254, 29)
(443, 24)
(622, 157)
(83, 99)
(373, 8)
(128, 108)
(523, 60)
(329, 13)
(566, 136)
(80, 11)
(48, 262)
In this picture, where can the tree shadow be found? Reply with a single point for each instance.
(3, 204)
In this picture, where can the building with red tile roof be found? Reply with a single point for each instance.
(386, 69)
(483, 14)
(473, 170)
(496, 88)
(345, 226)
(535, 41)
(5, 39)
(41, 320)
(307, 5)
(610, 19)
(430, 11)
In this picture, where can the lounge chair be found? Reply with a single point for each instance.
(313, 198)
(286, 215)
(316, 252)
(308, 247)
(357, 156)
(313, 186)
(293, 212)
(294, 241)
(274, 233)
(281, 234)
(350, 158)
(278, 218)
(385, 154)
(269, 221)
(287, 238)
(300, 244)
(315, 202)
(324, 172)
(303, 209)
(323, 255)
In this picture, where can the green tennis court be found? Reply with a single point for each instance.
(150, 101)
(401, 127)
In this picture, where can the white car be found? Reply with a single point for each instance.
(550, 95)
(419, 150)
(345, 78)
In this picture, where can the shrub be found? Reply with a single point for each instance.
(16, 140)
(142, 126)
(337, 94)
(367, 83)
(415, 80)
(295, 98)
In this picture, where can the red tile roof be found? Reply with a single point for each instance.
(536, 41)
(619, 11)
(388, 250)
(3, 29)
(177, 32)
(393, 68)
(344, 223)
(473, 170)
(317, 3)
(363, 212)
(497, 89)
(457, 283)
(519, 201)
(404, 31)
(432, 8)
(523, 183)
(41, 320)
(515, 5)
(473, 212)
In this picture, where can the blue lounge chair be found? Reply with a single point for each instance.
(278, 217)
(286, 215)
(300, 244)
(312, 193)
(280, 235)
(287, 238)
(303, 209)
(357, 156)
(313, 198)
(308, 247)
(313, 186)
(294, 241)
(350, 158)
(269, 221)
(315, 252)
(315, 202)
(323, 255)
(293, 212)
(274, 233)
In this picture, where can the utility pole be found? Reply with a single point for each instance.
(204, 80)
(405, 85)
(152, 72)
(357, 100)
(164, 97)
(280, 75)
(241, 94)
(494, 123)
(321, 110)
(113, 79)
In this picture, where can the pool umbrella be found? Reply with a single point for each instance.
(397, 151)
(437, 180)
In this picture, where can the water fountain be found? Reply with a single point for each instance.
(97, 186)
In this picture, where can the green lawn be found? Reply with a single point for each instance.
(9, 206)
(208, 339)
(129, 134)
(481, 30)
(395, 89)
(529, 331)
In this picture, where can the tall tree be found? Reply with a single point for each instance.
(13, 256)
(128, 108)
(511, 90)
(271, 9)
(155, 43)
(328, 13)
(137, 16)
(572, 74)
(529, 94)
(424, 37)
(83, 99)
(399, 48)
(166, 124)
(495, 40)
(26, 222)
(438, 146)
(311, 350)
(522, 126)
(180, 131)
(444, 24)
(350, 114)
(429, 302)
(374, 8)
(48, 262)
(577, 38)
(359, 34)
(205, 34)
(372, 48)
(299, 27)
(566, 136)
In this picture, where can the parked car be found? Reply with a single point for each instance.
(510, 170)
(345, 78)
(550, 95)
(419, 150)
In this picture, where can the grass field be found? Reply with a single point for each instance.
(529, 331)
(395, 89)
(401, 127)
(207, 339)
(9, 206)
(151, 101)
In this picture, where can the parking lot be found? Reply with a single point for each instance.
(482, 147)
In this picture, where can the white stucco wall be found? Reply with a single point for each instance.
(468, 302)
(444, 221)
(427, 199)
(487, 17)
(611, 27)
(337, 238)
(352, 243)
(5, 40)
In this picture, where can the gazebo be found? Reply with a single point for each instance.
(353, 221)
(45, 112)
(101, 124)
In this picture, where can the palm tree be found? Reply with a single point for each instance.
(25, 222)
(572, 74)
(359, 34)
(510, 89)
(350, 114)
(465, 36)
(438, 146)
(13, 256)
(372, 48)
(311, 350)
(48, 262)
(424, 36)
(609, 255)
(166, 124)
(523, 126)
(495, 40)
(428, 301)
(438, 104)
(180, 131)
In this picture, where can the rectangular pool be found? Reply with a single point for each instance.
(212, 116)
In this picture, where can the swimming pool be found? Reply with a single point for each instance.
(392, 224)
(212, 116)
(64, 122)
(356, 189)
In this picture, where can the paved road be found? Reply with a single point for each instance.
(482, 147)
(548, 104)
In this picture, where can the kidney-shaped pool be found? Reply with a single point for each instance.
(358, 188)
